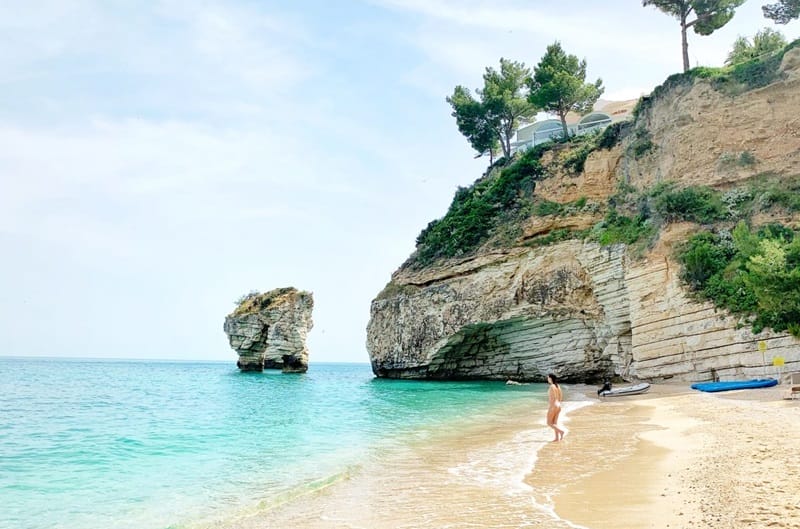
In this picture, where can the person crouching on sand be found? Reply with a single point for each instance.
(554, 396)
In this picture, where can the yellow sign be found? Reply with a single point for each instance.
(777, 361)
(762, 345)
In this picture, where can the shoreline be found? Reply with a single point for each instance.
(676, 457)
(671, 458)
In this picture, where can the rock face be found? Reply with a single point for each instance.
(514, 315)
(675, 336)
(586, 312)
(268, 331)
(697, 130)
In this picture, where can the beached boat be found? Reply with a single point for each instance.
(627, 390)
(735, 384)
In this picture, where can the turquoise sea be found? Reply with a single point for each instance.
(88, 444)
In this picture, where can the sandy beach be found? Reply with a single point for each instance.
(678, 458)
(672, 458)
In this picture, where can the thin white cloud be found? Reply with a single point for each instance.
(483, 14)
(125, 185)
(163, 57)
(258, 49)
(622, 42)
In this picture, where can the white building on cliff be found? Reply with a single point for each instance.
(604, 114)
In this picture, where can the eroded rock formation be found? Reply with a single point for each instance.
(269, 330)
(513, 314)
(586, 311)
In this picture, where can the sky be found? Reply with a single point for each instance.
(159, 159)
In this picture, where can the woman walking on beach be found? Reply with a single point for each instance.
(554, 406)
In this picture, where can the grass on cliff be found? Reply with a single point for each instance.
(255, 301)
(751, 273)
(496, 204)
(635, 218)
(730, 80)
(475, 210)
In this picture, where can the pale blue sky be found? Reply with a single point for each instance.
(159, 159)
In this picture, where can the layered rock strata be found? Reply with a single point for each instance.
(577, 309)
(676, 336)
(269, 331)
(587, 312)
(516, 314)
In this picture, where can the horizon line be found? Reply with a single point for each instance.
(147, 359)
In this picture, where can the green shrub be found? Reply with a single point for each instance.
(616, 228)
(640, 148)
(731, 292)
(756, 275)
(580, 148)
(696, 204)
(729, 160)
(776, 191)
(558, 235)
(702, 258)
(730, 80)
(542, 208)
(642, 143)
(747, 159)
(614, 134)
(756, 73)
(475, 211)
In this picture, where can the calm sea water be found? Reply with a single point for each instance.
(86, 444)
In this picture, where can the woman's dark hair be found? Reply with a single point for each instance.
(552, 377)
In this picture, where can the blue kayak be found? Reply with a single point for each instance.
(735, 384)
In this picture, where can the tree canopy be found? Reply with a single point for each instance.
(558, 85)
(473, 122)
(765, 41)
(709, 16)
(783, 12)
(494, 118)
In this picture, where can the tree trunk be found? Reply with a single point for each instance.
(509, 131)
(563, 116)
(504, 145)
(684, 46)
(506, 148)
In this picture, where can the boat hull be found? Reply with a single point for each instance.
(637, 389)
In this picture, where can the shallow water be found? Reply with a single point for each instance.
(154, 445)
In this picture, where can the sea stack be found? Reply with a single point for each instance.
(269, 330)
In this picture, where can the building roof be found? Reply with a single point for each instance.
(618, 110)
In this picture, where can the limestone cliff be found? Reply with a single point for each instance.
(269, 330)
(585, 311)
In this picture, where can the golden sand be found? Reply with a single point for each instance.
(684, 459)
(673, 458)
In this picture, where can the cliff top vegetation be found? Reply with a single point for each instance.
(255, 301)
(494, 209)
(505, 195)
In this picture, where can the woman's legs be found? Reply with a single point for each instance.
(559, 431)
(552, 419)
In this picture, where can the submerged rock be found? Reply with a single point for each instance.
(269, 330)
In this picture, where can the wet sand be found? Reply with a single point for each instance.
(677, 458)
(672, 458)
